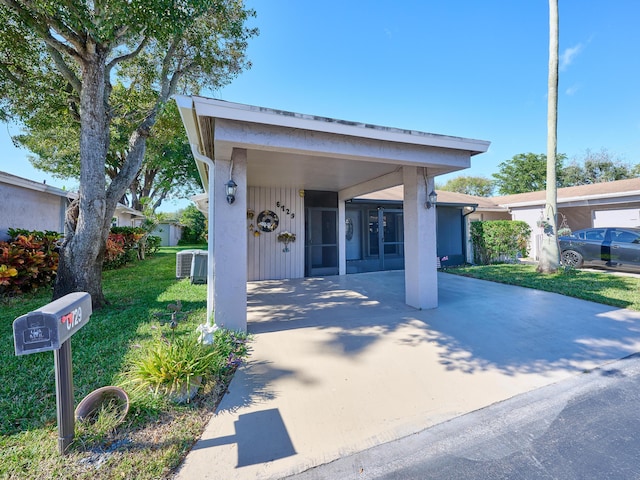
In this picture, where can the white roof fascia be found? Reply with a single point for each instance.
(247, 113)
(493, 209)
(581, 198)
(120, 207)
(31, 185)
(190, 122)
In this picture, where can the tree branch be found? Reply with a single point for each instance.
(9, 74)
(42, 26)
(133, 161)
(165, 90)
(127, 56)
(67, 73)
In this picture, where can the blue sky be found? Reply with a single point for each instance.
(466, 68)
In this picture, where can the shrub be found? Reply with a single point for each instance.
(194, 226)
(130, 236)
(499, 241)
(122, 246)
(28, 261)
(153, 244)
(169, 366)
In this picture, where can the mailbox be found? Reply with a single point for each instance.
(49, 327)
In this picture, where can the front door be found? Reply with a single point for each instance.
(321, 247)
(386, 238)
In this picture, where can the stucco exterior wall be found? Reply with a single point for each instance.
(450, 236)
(531, 216)
(266, 260)
(30, 209)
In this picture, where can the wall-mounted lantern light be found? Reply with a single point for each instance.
(231, 188)
(432, 199)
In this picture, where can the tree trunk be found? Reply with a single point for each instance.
(550, 254)
(82, 254)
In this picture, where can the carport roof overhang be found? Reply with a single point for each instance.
(286, 149)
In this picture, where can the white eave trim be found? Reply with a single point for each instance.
(31, 185)
(581, 198)
(492, 209)
(208, 107)
(120, 207)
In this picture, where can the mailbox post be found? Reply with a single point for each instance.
(50, 329)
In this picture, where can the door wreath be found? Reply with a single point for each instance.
(267, 221)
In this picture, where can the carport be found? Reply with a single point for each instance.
(279, 162)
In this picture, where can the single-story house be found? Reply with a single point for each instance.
(605, 204)
(33, 205)
(127, 217)
(269, 173)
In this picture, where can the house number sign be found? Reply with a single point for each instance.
(286, 210)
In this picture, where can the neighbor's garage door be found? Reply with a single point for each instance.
(625, 217)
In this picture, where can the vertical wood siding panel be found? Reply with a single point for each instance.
(254, 259)
(267, 260)
(250, 262)
(263, 239)
(271, 205)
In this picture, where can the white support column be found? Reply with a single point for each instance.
(342, 244)
(230, 243)
(420, 248)
(211, 237)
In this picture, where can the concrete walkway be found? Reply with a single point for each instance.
(341, 364)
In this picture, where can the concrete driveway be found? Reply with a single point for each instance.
(341, 364)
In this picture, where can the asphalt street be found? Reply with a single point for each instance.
(586, 427)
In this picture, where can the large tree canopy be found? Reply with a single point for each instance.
(168, 169)
(595, 167)
(59, 62)
(478, 186)
(525, 172)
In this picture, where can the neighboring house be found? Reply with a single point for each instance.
(32, 205)
(300, 173)
(169, 232)
(127, 217)
(605, 204)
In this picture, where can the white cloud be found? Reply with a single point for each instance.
(572, 89)
(568, 55)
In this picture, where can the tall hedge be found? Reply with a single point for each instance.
(499, 241)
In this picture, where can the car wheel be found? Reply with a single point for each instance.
(571, 258)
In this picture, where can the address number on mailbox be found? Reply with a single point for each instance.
(50, 326)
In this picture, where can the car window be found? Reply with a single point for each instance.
(622, 236)
(597, 235)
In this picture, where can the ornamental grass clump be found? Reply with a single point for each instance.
(177, 368)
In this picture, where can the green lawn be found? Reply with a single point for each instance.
(156, 434)
(601, 287)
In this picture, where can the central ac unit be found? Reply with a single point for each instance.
(199, 267)
(183, 263)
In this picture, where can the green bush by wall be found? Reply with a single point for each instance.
(499, 241)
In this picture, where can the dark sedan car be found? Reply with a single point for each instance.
(617, 248)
